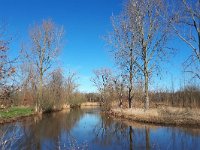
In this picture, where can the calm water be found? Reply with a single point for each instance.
(88, 129)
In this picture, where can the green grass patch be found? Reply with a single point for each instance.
(13, 112)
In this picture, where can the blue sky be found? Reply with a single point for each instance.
(85, 22)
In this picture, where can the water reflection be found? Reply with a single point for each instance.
(88, 129)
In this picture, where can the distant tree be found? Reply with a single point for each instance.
(46, 39)
(70, 85)
(103, 82)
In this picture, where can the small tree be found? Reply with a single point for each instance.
(103, 81)
(119, 87)
(70, 86)
(56, 87)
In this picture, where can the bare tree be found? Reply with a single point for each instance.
(119, 87)
(56, 87)
(70, 85)
(140, 35)
(151, 36)
(103, 80)
(46, 41)
(27, 82)
(122, 41)
(185, 21)
(7, 68)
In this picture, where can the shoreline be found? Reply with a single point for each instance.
(19, 118)
(65, 108)
(15, 119)
(164, 117)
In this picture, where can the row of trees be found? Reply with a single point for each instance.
(33, 78)
(140, 41)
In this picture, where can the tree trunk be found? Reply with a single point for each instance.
(130, 79)
(120, 100)
(39, 100)
(146, 106)
(130, 137)
(129, 97)
(147, 138)
(146, 76)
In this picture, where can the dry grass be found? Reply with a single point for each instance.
(86, 104)
(167, 115)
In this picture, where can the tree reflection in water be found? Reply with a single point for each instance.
(9, 135)
(120, 135)
(43, 132)
(89, 129)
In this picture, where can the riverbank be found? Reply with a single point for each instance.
(161, 116)
(12, 114)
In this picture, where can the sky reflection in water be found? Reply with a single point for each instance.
(88, 129)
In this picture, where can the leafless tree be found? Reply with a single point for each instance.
(151, 33)
(7, 68)
(141, 38)
(122, 41)
(56, 87)
(120, 88)
(185, 21)
(28, 79)
(46, 39)
(70, 85)
(103, 82)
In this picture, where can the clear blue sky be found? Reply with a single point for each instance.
(85, 22)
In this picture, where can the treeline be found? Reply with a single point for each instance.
(188, 96)
(115, 92)
(143, 36)
(141, 39)
(33, 78)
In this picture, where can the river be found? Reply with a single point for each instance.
(89, 129)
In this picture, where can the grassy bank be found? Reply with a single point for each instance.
(14, 113)
(163, 116)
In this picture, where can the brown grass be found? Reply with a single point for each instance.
(167, 115)
(90, 104)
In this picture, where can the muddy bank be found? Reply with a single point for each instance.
(160, 116)
(14, 119)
